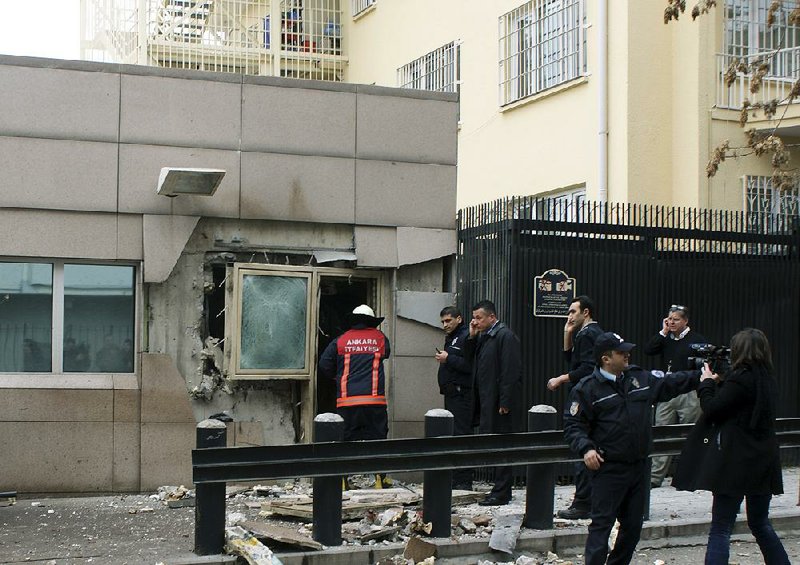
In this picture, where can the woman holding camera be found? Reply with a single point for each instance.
(733, 451)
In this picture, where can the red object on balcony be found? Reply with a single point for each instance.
(309, 46)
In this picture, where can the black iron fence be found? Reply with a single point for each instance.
(732, 269)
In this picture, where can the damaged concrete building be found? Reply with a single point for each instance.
(127, 316)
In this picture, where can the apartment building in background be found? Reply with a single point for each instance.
(566, 98)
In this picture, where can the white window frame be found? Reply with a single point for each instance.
(360, 6)
(542, 45)
(57, 335)
(438, 70)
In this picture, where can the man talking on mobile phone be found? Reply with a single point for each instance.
(455, 382)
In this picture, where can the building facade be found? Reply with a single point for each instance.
(565, 98)
(127, 316)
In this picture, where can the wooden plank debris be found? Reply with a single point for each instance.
(239, 541)
(282, 534)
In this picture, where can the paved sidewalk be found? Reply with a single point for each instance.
(138, 530)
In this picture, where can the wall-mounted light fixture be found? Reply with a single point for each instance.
(198, 182)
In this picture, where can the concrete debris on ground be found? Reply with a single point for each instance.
(239, 541)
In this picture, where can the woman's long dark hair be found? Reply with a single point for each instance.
(750, 347)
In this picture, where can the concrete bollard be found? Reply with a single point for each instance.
(209, 510)
(327, 502)
(437, 498)
(541, 484)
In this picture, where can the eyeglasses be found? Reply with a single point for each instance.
(677, 307)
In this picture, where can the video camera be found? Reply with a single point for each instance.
(718, 357)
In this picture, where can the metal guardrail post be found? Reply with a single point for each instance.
(541, 483)
(437, 497)
(327, 501)
(209, 510)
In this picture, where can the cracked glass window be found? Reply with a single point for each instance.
(274, 322)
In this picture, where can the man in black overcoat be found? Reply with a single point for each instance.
(496, 358)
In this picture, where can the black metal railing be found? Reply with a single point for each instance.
(212, 467)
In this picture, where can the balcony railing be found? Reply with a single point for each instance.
(784, 70)
(292, 38)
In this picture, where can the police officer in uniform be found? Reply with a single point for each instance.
(609, 425)
(455, 382)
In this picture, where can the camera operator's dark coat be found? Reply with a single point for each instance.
(496, 358)
(741, 453)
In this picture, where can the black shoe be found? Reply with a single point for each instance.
(494, 501)
(573, 513)
(462, 486)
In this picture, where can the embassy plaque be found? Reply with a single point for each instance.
(553, 291)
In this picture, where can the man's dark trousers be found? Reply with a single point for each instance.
(503, 476)
(618, 493)
(459, 403)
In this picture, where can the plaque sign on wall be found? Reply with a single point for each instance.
(553, 291)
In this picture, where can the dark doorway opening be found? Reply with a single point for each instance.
(338, 296)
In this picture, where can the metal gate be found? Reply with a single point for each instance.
(732, 269)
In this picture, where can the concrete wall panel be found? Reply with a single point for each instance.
(376, 246)
(57, 456)
(164, 394)
(68, 234)
(58, 174)
(60, 104)
(418, 339)
(291, 187)
(48, 405)
(187, 113)
(125, 466)
(417, 245)
(406, 129)
(415, 389)
(140, 165)
(129, 237)
(299, 121)
(166, 457)
(405, 194)
(127, 405)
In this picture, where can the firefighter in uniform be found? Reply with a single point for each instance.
(610, 425)
(355, 361)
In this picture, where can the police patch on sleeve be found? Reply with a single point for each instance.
(657, 374)
(573, 409)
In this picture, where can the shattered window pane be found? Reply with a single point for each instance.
(26, 313)
(274, 311)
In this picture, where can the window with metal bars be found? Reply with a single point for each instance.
(439, 70)
(542, 45)
(359, 6)
(768, 209)
(747, 35)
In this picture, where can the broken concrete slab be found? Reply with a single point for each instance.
(505, 532)
(281, 534)
(380, 534)
(418, 549)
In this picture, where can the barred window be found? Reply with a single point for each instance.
(748, 36)
(769, 210)
(439, 70)
(542, 45)
(361, 5)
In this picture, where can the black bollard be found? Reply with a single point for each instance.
(327, 502)
(541, 483)
(437, 497)
(209, 510)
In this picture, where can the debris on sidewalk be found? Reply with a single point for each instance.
(281, 534)
(419, 549)
(8, 498)
(239, 541)
(505, 532)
